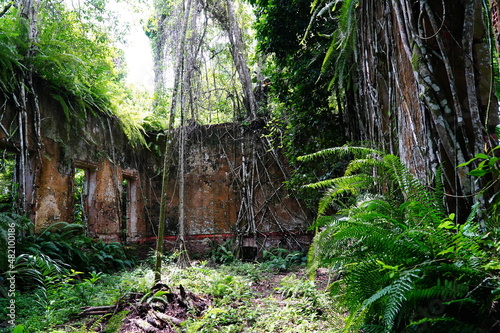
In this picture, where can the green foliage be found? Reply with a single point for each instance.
(134, 109)
(47, 266)
(75, 58)
(78, 197)
(399, 252)
(53, 306)
(13, 225)
(115, 322)
(49, 283)
(282, 259)
(340, 54)
(489, 168)
(65, 243)
(13, 46)
(8, 186)
(357, 180)
(222, 253)
(303, 117)
(78, 65)
(293, 287)
(233, 290)
(238, 308)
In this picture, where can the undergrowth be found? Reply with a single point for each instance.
(291, 303)
(406, 264)
(56, 271)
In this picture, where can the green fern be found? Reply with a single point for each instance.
(10, 222)
(398, 249)
(344, 151)
(35, 270)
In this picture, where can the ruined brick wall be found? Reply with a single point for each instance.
(229, 168)
(94, 143)
(224, 163)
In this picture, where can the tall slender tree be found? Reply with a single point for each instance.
(224, 13)
(28, 10)
(180, 49)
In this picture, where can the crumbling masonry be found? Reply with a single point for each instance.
(230, 171)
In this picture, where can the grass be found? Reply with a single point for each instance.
(245, 297)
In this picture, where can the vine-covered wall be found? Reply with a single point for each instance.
(234, 181)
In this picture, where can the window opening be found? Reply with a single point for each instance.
(128, 207)
(84, 186)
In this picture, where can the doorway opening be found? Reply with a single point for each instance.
(8, 186)
(80, 198)
(128, 220)
(84, 183)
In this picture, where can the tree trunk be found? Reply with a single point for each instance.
(223, 12)
(169, 140)
(423, 88)
(186, 102)
(183, 259)
(27, 95)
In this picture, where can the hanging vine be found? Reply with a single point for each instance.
(258, 191)
(423, 86)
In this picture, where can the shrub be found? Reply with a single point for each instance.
(282, 259)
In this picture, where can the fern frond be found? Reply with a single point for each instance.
(321, 184)
(427, 320)
(439, 189)
(444, 289)
(366, 165)
(397, 296)
(342, 187)
(36, 268)
(413, 190)
(63, 104)
(356, 152)
(64, 229)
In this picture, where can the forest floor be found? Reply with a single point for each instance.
(257, 297)
(234, 301)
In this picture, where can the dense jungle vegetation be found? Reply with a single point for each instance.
(392, 252)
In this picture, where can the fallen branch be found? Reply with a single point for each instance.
(167, 319)
(97, 310)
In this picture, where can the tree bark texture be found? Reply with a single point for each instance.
(423, 87)
(26, 98)
(495, 21)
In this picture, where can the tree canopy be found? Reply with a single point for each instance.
(74, 51)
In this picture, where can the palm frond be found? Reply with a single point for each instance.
(64, 229)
